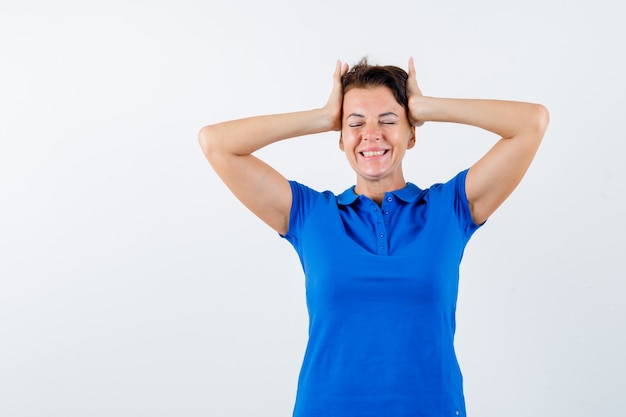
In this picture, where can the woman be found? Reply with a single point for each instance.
(381, 259)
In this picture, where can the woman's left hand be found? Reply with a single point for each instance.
(414, 96)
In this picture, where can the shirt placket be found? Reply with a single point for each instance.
(381, 216)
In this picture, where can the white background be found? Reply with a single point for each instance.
(132, 283)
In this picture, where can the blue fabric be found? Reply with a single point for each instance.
(381, 290)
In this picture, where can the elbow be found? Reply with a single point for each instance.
(206, 140)
(534, 124)
(541, 118)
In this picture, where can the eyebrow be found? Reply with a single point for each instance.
(389, 113)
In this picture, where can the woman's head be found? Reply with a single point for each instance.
(364, 75)
(375, 128)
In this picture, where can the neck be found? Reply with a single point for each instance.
(375, 190)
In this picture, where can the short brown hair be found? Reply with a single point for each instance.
(364, 75)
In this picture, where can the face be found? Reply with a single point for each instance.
(375, 135)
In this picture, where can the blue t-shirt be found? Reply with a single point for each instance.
(381, 291)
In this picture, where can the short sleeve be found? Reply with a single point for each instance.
(303, 199)
(450, 197)
(461, 204)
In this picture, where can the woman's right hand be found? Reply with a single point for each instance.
(229, 148)
(335, 102)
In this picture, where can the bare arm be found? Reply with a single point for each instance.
(521, 127)
(228, 147)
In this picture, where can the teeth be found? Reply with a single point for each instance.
(373, 153)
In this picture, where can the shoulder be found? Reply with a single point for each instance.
(303, 194)
(305, 202)
(455, 185)
(450, 197)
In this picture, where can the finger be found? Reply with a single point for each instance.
(411, 68)
(344, 70)
(337, 72)
(340, 69)
(412, 86)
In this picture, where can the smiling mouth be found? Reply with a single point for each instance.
(369, 154)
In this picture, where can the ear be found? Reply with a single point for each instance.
(411, 139)
(341, 142)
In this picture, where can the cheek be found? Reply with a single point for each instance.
(345, 141)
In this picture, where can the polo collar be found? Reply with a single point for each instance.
(408, 194)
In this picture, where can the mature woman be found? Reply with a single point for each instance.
(382, 258)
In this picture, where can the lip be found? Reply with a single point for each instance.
(362, 152)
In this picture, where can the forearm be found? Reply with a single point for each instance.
(245, 136)
(504, 118)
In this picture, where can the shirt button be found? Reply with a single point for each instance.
(382, 235)
(390, 199)
(385, 212)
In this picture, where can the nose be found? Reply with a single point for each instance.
(372, 133)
